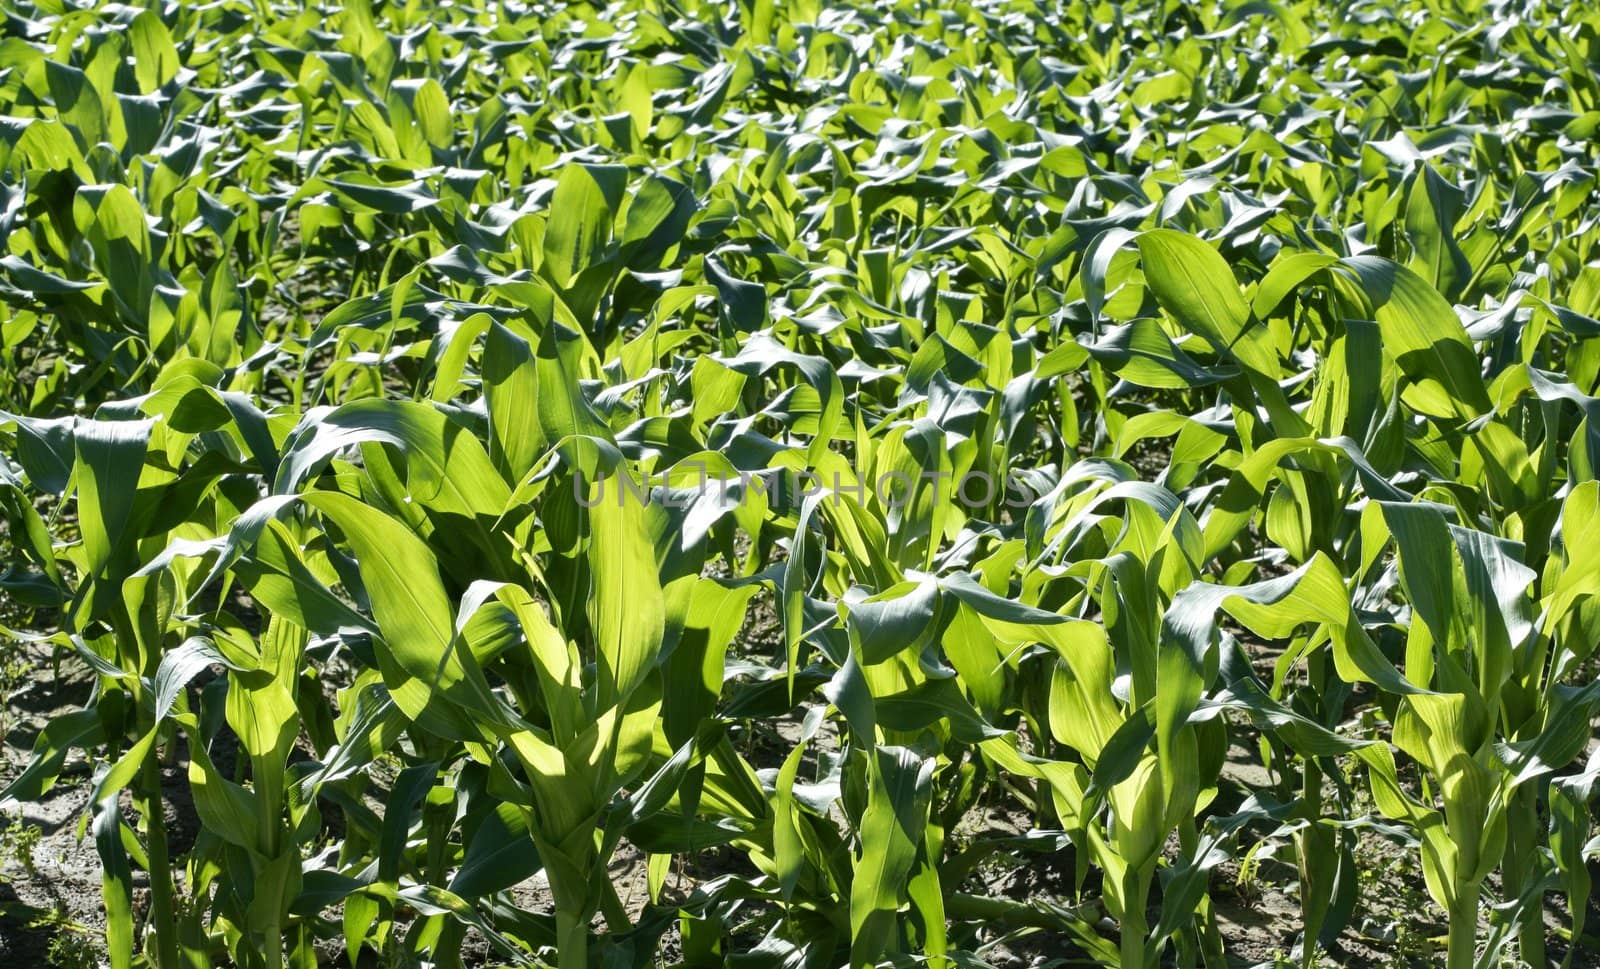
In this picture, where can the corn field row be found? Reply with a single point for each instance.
(466, 450)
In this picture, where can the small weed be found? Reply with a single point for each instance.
(18, 841)
(73, 950)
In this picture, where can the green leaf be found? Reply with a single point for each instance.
(899, 793)
(1195, 285)
(626, 608)
(586, 200)
(155, 59)
(419, 653)
(1424, 336)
